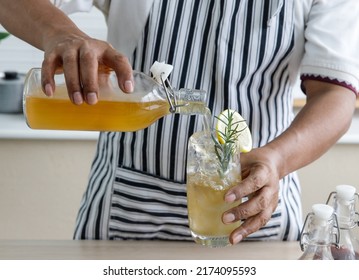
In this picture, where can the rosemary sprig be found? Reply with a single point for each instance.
(227, 149)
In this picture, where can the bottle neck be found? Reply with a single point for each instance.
(188, 102)
(320, 235)
(317, 241)
(182, 101)
(345, 210)
(319, 232)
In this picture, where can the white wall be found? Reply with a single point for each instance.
(41, 186)
(16, 55)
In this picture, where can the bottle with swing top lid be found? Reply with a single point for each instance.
(344, 201)
(152, 98)
(319, 233)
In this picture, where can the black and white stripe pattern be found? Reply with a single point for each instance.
(238, 51)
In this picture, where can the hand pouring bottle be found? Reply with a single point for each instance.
(115, 110)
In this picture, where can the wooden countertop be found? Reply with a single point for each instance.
(143, 250)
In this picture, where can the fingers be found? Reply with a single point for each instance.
(250, 225)
(89, 76)
(258, 177)
(255, 213)
(123, 69)
(261, 187)
(80, 59)
(72, 77)
(48, 69)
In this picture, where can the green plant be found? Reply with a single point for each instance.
(3, 35)
(225, 142)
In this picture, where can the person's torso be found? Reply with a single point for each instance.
(239, 52)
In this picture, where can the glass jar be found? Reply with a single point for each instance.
(114, 111)
(344, 201)
(319, 234)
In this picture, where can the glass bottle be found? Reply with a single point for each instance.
(115, 110)
(344, 204)
(319, 233)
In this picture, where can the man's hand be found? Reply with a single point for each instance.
(81, 57)
(260, 185)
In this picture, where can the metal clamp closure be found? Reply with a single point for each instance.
(171, 96)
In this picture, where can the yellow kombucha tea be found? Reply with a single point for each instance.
(206, 206)
(108, 114)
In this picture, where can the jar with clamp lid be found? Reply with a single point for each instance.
(319, 234)
(344, 201)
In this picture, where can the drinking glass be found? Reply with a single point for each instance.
(207, 184)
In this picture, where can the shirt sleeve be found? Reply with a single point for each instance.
(73, 6)
(332, 43)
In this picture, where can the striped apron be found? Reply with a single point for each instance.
(239, 52)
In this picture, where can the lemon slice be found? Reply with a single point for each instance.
(238, 123)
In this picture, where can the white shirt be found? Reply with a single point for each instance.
(326, 40)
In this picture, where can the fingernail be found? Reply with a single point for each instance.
(128, 86)
(228, 218)
(237, 238)
(77, 96)
(230, 197)
(48, 90)
(91, 98)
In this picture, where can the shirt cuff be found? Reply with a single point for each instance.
(330, 80)
(73, 6)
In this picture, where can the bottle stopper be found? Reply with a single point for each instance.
(322, 212)
(160, 71)
(345, 192)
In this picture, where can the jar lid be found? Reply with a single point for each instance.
(11, 75)
(345, 192)
(161, 70)
(322, 211)
(11, 78)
